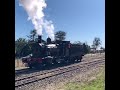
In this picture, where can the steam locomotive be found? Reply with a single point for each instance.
(56, 52)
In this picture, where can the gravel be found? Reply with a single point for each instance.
(55, 81)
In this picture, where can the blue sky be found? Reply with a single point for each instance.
(81, 19)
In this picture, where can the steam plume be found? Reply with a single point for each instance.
(34, 9)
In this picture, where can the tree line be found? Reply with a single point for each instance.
(23, 46)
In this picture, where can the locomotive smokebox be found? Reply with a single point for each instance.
(48, 40)
(39, 39)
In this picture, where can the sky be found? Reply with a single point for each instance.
(82, 20)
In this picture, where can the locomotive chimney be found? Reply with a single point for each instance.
(39, 39)
(48, 40)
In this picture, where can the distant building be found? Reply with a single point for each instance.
(92, 50)
(99, 50)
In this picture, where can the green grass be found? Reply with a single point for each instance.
(96, 84)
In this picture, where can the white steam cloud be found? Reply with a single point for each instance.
(34, 9)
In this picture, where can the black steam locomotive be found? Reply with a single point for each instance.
(53, 53)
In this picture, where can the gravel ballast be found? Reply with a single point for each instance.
(51, 83)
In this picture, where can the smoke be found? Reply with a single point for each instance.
(34, 9)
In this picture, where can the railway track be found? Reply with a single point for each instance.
(24, 71)
(19, 72)
(44, 75)
(32, 72)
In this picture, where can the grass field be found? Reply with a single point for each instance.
(96, 83)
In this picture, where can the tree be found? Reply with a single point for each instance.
(86, 48)
(102, 48)
(96, 42)
(78, 43)
(60, 35)
(33, 35)
(26, 50)
(22, 40)
(19, 44)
